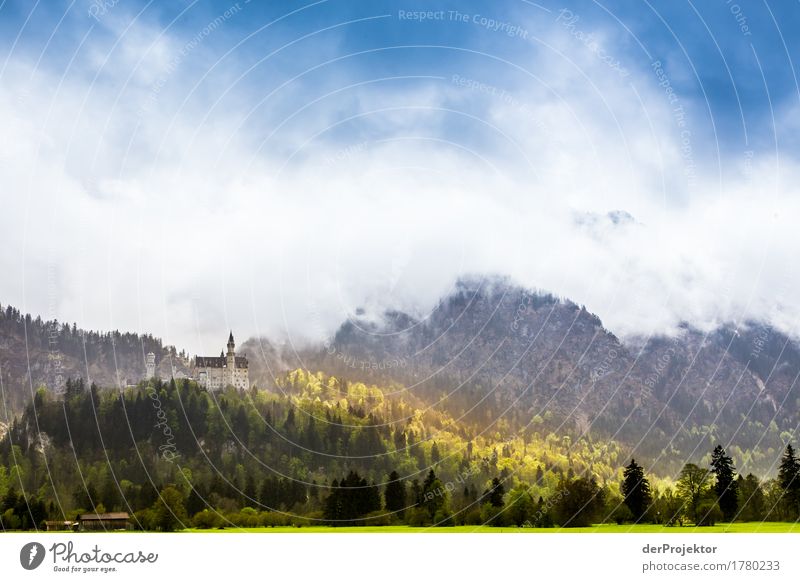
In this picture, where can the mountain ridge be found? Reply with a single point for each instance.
(520, 354)
(500, 355)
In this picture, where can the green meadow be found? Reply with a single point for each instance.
(750, 527)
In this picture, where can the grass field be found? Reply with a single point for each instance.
(755, 527)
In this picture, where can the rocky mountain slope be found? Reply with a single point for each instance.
(512, 360)
(503, 359)
(36, 353)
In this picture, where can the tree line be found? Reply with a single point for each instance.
(174, 455)
(704, 496)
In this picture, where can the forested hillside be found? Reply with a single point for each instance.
(501, 357)
(35, 353)
(261, 448)
(323, 450)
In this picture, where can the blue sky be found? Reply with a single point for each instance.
(735, 58)
(272, 166)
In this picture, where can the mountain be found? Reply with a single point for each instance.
(35, 353)
(512, 359)
(502, 359)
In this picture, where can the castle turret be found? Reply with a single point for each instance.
(150, 366)
(231, 345)
(231, 359)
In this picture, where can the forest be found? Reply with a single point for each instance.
(323, 450)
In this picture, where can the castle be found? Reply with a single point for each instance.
(215, 373)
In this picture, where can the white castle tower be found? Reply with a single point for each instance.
(150, 366)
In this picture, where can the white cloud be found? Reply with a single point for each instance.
(157, 222)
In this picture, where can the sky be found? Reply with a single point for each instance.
(189, 168)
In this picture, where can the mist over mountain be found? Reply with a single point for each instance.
(516, 360)
(506, 359)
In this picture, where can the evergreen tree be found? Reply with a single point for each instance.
(433, 494)
(371, 498)
(789, 479)
(495, 494)
(194, 502)
(416, 493)
(435, 454)
(636, 489)
(395, 494)
(290, 424)
(725, 486)
(751, 498)
(9, 500)
(110, 495)
(333, 504)
(85, 497)
(351, 500)
(38, 513)
(400, 441)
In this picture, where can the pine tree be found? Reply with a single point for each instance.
(433, 494)
(400, 441)
(751, 498)
(372, 498)
(726, 486)
(789, 478)
(636, 489)
(435, 454)
(333, 504)
(289, 425)
(9, 500)
(395, 494)
(351, 500)
(110, 494)
(495, 494)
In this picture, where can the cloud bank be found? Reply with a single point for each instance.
(183, 183)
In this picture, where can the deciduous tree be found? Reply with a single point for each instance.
(693, 486)
(169, 511)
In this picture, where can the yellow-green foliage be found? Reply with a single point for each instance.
(549, 456)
